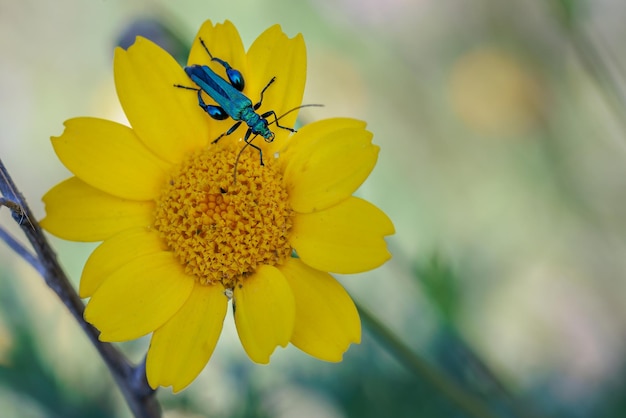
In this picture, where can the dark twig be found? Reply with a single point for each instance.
(22, 251)
(139, 396)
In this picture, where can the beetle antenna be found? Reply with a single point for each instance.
(293, 110)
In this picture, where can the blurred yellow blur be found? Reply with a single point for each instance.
(495, 93)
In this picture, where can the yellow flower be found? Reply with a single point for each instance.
(181, 236)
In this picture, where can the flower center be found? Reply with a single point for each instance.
(219, 229)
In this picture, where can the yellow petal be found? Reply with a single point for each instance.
(330, 159)
(264, 313)
(167, 119)
(116, 252)
(78, 212)
(109, 157)
(139, 297)
(273, 54)
(181, 348)
(223, 41)
(327, 321)
(346, 238)
(312, 132)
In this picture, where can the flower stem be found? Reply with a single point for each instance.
(469, 403)
(139, 396)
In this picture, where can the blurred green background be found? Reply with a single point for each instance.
(502, 128)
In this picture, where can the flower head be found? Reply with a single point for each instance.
(181, 236)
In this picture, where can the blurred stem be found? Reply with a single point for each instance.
(592, 58)
(139, 396)
(469, 403)
(600, 70)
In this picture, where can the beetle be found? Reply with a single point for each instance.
(231, 102)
